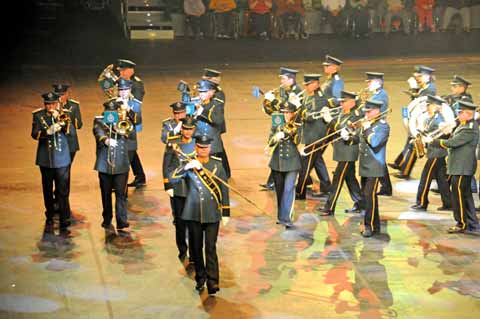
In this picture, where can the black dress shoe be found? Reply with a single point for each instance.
(182, 256)
(384, 193)
(268, 186)
(401, 176)
(393, 165)
(289, 225)
(354, 210)
(300, 197)
(123, 225)
(212, 288)
(325, 212)
(137, 183)
(418, 208)
(367, 232)
(200, 286)
(444, 208)
(455, 230)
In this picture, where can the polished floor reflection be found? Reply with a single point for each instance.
(322, 269)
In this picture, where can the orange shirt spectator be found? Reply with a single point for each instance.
(222, 5)
(289, 6)
(260, 6)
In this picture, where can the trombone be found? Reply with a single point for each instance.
(111, 159)
(352, 125)
(334, 112)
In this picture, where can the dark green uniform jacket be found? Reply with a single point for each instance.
(346, 151)
(313, 129)
(76, 123)
(171, 161)
(285, 157)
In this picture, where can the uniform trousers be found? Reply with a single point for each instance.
(177, 203)
(108, 183)
(345, 171)
(136, 165)
(314, 160)
(372, 217)
(435, 168)
(462, 202)
(200, 235)
(58, 178)
(285, 189)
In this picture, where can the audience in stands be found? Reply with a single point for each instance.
(461, 7)
(424, 10)
(360, 16)
(223, 10)
(400, 9)
(334, 15)
(260, 11)
(290, 14)
(196, 17)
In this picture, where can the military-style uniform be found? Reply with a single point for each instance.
(53, 158)
(137, 87)
(206, 202)
(312, 130)
(285, 164)
(170, 162)
(112, 164)
(462, 164)
(272, 108)
(372, 153)
(333, 86)
(407, 158)
(345, 152)
(435, 167)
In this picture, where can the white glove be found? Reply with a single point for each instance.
(53, 129)
(301, 149)
(412, 83)
(427, 139)
(225, 221)
(279, 136)
(170, 192)
(327, 117)
(177, 128)
(199, 111)
(269, 96)
(366, 125)
(446, 127)
(111, 142)
(193, 164)
(294, 99)
(55, 113)
(345, 134)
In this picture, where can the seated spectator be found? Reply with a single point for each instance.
(260, 14)
(223, 10)
(360, 17)
(198, 20)
(334, 14)
(424, 10)
(376, 9)
(453, 7)
(290, 15)
(400, 9)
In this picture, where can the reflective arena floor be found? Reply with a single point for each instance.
(322, 269)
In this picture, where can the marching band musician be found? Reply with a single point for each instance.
(206, 203)
(285, 162)
(171, 127)
(421, 84)
(126, 68)
(345, 153)
(129, 102)
(178, 191)
(215, 77)
(461, 166)
(210, 117)
(73, 107)
(112, 164)
(53, 157)
(375, 83)
(333, 86)
(435, 167)
(273, 100)
(312, 129)
(372, 138)
(459, 87)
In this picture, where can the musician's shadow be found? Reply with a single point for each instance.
(55, 246)
(218, 308)
(126, 249)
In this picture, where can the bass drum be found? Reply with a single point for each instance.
(417, 114)
(447, 113)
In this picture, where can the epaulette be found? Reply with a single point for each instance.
(219, 100)
(319, 93)
(134, 99)
(136, 78)
(383, 121)
(74, 101)
(38, 110)
(219, 88)
(356, 113)
(166, 120)
(216, 158)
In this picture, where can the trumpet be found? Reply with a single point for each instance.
(124, 126)
(441, 130)
(334, 112)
